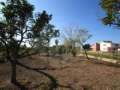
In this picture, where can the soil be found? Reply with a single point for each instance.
(71, 73)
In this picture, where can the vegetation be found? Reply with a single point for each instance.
(75, 37)
(101, 55)
(43, 41)
(112, 11)
(19, 27)
(87, 46)
(24, 33)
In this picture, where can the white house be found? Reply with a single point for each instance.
(105, 46)
(108, 46)
(119, 49)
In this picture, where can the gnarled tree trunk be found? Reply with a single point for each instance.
(86, 54)
(13, 63)
(13, 72)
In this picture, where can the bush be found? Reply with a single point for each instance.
(74, 52)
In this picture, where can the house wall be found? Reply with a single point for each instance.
(119, 49)
(95, 47)
(108, 46)
(105, 46)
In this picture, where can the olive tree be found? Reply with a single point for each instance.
(69, 41)
(43, 41)
(75, 36)
(81, 36)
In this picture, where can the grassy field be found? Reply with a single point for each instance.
(71, 73)
(115, 56)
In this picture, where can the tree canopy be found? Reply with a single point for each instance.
(20, 26)
(112, 12)
(75, 37)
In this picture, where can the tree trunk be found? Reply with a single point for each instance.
(86, 54)
(13, 72)
(14, 75)
(48, 50)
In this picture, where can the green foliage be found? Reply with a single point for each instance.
(112, 11)
(59, 50)
(19, 26)
(86, 46)
(115, 55)
(56, 42)
(41, 21)
(74, 52)
(43, 41)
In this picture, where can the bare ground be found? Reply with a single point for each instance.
(71, 74)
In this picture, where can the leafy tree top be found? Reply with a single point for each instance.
(112, 11)
(19, 24)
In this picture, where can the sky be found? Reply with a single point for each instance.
(84, 13)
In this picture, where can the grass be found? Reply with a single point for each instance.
(105, 55)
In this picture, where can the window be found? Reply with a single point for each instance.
(104, 44)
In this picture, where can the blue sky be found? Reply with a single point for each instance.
(85, 13)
